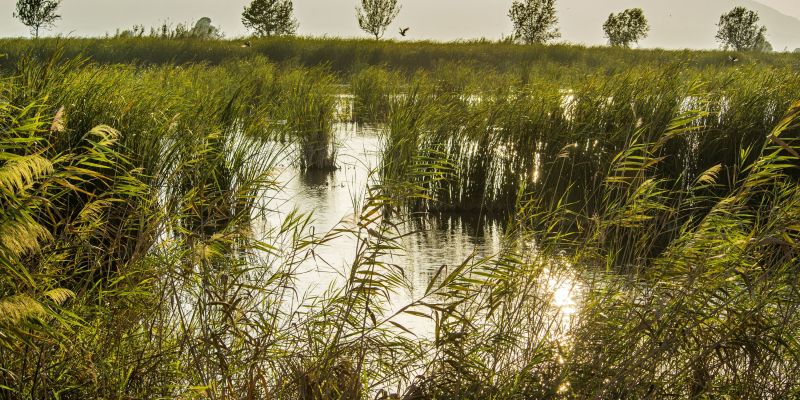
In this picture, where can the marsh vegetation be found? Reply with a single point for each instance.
(617, 229)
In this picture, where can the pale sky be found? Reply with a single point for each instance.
(443, 20)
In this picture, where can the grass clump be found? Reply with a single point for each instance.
(307, 105)
(374, 89)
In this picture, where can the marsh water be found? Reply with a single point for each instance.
(429, 243)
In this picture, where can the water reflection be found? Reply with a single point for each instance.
(448, 241)
(430, 242)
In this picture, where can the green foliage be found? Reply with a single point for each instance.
(535, 21)
(348, 56)
(68, 221)
(536, 138)
(739, 30)
(146, 261)
(374, 16)
(373, 89)
(37, 14)
(270, 17)
(626, 27)
(307, 106)
(762, 45)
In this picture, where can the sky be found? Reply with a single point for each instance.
(443, 20)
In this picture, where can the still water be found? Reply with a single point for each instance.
(432, 241)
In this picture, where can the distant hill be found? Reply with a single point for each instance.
(674, 23)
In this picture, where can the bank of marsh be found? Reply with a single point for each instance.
(617, 234)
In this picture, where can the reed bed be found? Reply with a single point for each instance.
(307, 106)
(137, 261)
(373, 90)
(351, 55)
(544, 140)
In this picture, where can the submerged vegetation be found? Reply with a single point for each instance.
(139, 259)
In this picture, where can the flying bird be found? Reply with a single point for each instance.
(246, 44)
(733, 59)
(403, 31)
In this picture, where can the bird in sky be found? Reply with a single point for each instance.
(403, 31)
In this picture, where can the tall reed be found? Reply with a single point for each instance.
(650, 248)
(308, 106)
(351, 55)
(373, 89)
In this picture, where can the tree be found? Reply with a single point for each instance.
(534, 21)
(37, 14)
(739, 30)
(627, 27)
(270, 17)
(374, 16)
(797, 50)
(763, 45)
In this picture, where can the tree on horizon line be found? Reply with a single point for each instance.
(626, 27)
(374, 16)
(270, 17)
(739, 29)
(37, 14)
(534, 21)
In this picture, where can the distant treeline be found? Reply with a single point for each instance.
(349, 55)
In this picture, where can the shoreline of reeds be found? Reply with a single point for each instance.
(353, 55)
